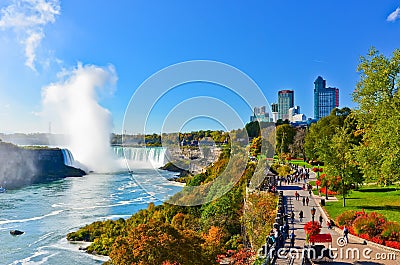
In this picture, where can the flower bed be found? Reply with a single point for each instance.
(371, 226)
(323, 191)
(312, 228)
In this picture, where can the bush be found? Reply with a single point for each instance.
(330, 192)
(370, 224)
(312, 228)
(393, 244)
(346, 218)
(391, 231)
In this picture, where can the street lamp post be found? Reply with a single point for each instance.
(317, 176)
(326, 190)
(313, 214)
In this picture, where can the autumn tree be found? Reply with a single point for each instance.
(158, 243)
(258, 217)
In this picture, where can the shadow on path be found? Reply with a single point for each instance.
(289, 188)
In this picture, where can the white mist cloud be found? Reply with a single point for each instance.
(28, 19)
(72, 104)
(394, 15)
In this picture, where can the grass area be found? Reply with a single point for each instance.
(300, 163)
(372, 199)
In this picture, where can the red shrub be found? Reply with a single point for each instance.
(312, 228)
(370, 224)
(391, 231)
(330, 192)
(316, 169)
(377, 240)
(346, 218)
(393, 244)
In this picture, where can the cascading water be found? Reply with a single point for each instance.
(68, 157)
(150, 157)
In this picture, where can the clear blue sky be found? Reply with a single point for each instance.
(279, 44)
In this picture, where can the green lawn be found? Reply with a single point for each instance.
(300, 163)
(372, 198)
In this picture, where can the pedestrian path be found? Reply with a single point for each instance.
(353, 253)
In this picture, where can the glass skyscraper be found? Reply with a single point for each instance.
(285, 102)
(325, 98)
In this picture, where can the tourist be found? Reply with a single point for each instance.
(304, 201)
(321, 219)
(346, 234)
(292, 216)
(328, 224)
(307, 201)
(292, 236)
(301, 215)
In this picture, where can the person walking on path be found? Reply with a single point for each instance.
(321, 219)
(307, 201)
(346, 234)
(304, 201)
(292, 216)
(301, 215)
(292, 236)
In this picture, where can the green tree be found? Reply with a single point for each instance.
(253, 129)
(297, 148)
(322, 131)
(378, 116)
(337, 156)
(284, 138)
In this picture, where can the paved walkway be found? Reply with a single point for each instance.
(354, 253)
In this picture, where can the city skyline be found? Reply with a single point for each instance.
(47, 45)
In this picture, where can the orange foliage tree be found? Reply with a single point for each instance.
(158, 243)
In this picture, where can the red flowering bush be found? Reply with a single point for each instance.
(346, 218)
(370, 224)
(312, 228)
(317, 169)
(330, 192)
(377, 240)
(393, 244)
(391, 231)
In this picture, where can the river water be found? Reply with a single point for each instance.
(47, 212)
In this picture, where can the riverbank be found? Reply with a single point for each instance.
(23, 166)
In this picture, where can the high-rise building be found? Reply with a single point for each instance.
(274, 107)
(325, 98)
(285, 102)
(295, 115)
(260, 114)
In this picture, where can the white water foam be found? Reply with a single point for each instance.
(30, 219)
(43, 255)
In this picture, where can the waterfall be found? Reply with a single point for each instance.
(136, 157)
(68, 157)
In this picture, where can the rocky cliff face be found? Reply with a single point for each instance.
(20, 166)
